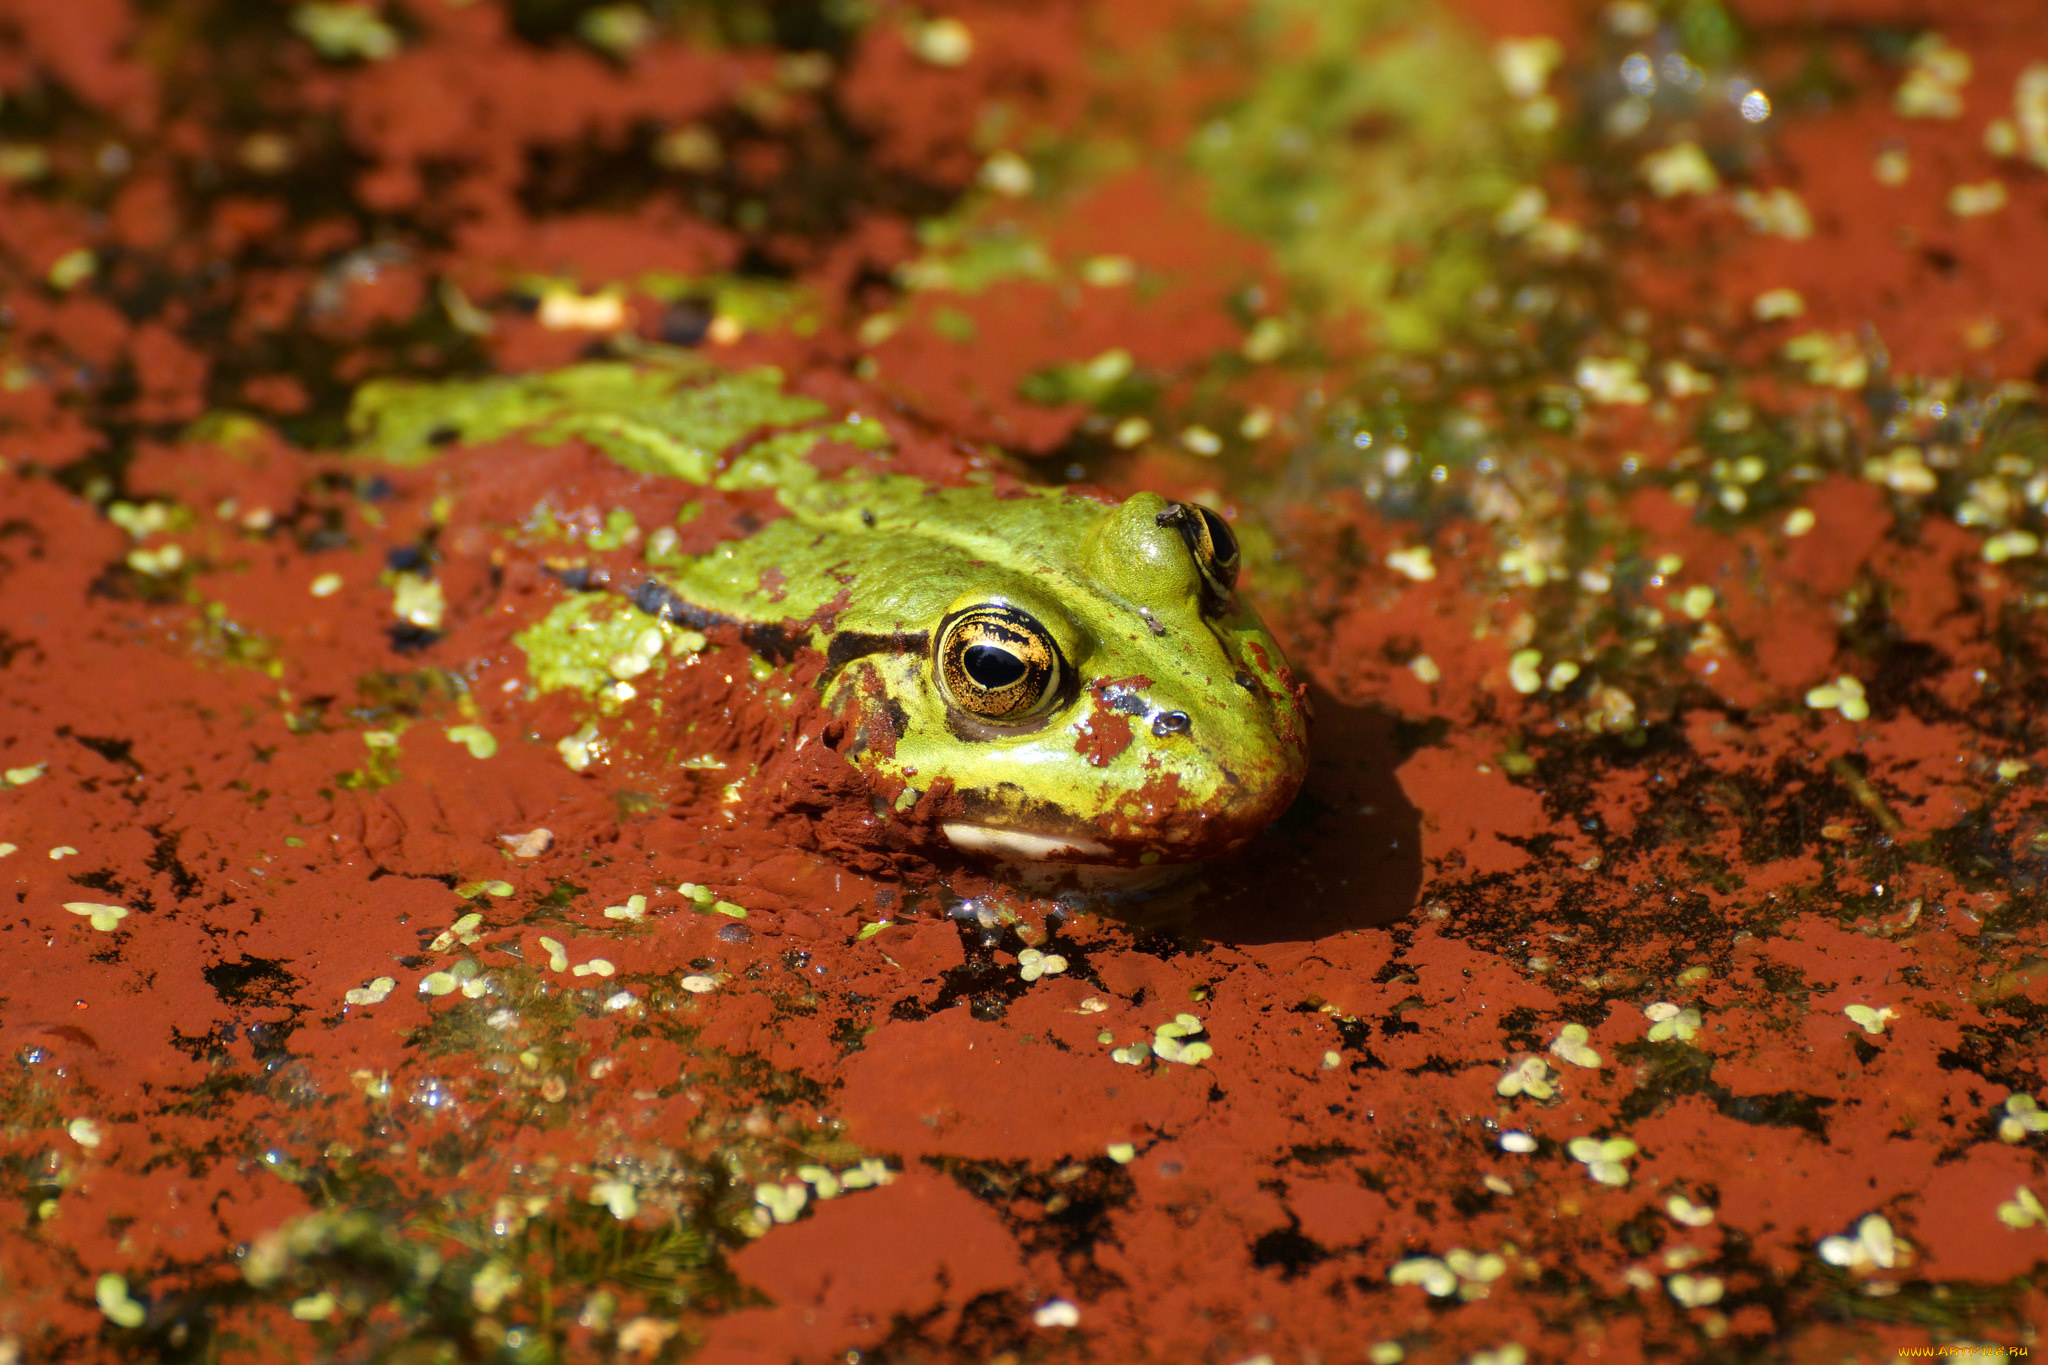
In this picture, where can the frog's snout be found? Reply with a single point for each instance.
(1180, 779)
(1161, 782)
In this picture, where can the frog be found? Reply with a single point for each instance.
(1056, 677)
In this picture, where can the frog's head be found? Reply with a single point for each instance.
(1095, 695)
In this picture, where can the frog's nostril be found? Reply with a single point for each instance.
(1171, 723)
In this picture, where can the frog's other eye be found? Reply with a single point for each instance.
(1211, 541)
(997, 663)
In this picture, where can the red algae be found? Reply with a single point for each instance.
(1651, 968)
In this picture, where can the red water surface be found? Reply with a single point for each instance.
(1474, 867)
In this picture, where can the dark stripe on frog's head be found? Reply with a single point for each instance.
(775, 641)
(660, 601)
(580, 577)
(849, 645)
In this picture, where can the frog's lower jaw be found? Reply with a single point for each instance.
(1022, 846)
(1047, 862)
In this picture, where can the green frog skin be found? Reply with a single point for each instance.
(1074, 680)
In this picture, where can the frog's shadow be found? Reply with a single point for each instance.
(1346, 855)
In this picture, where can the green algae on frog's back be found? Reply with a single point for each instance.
(1069, 679)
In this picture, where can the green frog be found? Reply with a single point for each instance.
(1057, 677)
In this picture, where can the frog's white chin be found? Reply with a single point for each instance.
(1049, 861)
(1022, 845)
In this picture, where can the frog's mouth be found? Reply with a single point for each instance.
(1023, 845)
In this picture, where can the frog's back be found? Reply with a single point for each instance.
(889, 555)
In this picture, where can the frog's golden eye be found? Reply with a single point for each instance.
(1211, 541)
(997, 663)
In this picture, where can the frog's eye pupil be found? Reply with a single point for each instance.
(1214, 546)
(993, 666)
(996, 663)
(1222, 540)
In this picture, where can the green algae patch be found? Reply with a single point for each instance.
(590, 643)
(964, 256)
(1391, 225)
(228, 430)
(676, 417)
